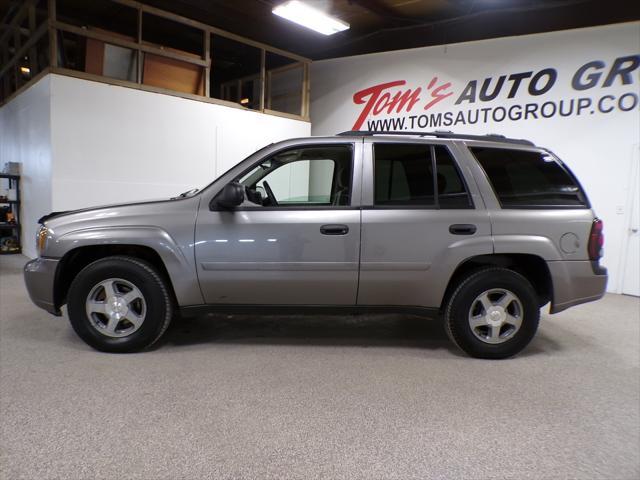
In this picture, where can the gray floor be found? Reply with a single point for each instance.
(355, 398)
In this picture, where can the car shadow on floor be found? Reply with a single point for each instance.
(327, 330)
(370, 330)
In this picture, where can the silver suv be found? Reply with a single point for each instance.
(479, 230)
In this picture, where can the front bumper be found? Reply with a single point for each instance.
(576, 282)
(39, 277)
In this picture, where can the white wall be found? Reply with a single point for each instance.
(598, 146)
(113, 144)
(84, 143)
(25, 138)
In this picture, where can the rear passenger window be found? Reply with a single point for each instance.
(403, 175)
(452, 192)
(522, 178)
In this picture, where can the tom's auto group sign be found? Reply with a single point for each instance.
(397, 105)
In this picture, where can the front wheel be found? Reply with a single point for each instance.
(493, 313)
(119, 304)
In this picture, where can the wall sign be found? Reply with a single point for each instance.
(411, 107)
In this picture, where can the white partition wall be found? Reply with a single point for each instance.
(113, 144)
(86, 143)
(25, 137)
(575, 92)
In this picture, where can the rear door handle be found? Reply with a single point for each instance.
(334, 229)
(462, 229)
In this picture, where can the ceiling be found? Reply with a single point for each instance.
(383, 25)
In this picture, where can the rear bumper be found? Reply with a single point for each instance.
(576, 282)
(39, 277)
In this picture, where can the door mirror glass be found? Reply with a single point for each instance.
(231, 196)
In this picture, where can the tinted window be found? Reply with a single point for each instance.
(523, 178)
(452, 192)
(312, 176)
(403, 174)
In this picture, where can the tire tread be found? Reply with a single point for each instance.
(160, 282)
(448, 320)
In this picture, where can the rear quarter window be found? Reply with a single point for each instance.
(529, 179)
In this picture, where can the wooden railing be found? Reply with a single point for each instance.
(14, 48)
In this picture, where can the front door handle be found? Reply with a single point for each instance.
(462, 229)
(334, 229)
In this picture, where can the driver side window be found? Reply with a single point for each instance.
(318, 176)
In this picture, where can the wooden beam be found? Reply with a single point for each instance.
(268, 92)
(103, 37)
(207, 57)
(292, 116)
(17, 45)
(4, 52)
(53, 34)
(17, 19)
(22, 30)
(263, 62)
(33, 51)
(139, 57)
(40, 31)
(306, 91)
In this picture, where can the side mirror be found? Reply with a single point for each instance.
(231, 196)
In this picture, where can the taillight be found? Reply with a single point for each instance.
(596, 240)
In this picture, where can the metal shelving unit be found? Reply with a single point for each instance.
(14, 207)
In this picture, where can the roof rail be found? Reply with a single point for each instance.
(492, 137)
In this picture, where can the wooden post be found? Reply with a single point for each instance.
(207, 57)
(33, 51)
(263, 66)
(268, 93)
(139, 58)
(53, 34)
(5, 78)
(17, 44)
(306, 85)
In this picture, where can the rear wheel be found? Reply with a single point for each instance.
(119, 304)
(493, 313)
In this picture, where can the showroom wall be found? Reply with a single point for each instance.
(25, 137)
(84, 143)
(575, 92)
(114, 144)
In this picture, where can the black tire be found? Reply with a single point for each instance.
(457, 310)
(158, 309)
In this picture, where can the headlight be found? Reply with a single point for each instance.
(41, 239)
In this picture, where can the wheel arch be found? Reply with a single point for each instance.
(533, 267)
(78, 258)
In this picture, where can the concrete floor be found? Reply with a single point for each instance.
(381, 397)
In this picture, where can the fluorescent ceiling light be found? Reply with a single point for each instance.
(310, 17)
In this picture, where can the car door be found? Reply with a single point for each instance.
(422, 216)
(296, 237)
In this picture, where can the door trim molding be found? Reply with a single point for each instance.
(279, 266)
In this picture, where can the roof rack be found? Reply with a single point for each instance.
(492, 137)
